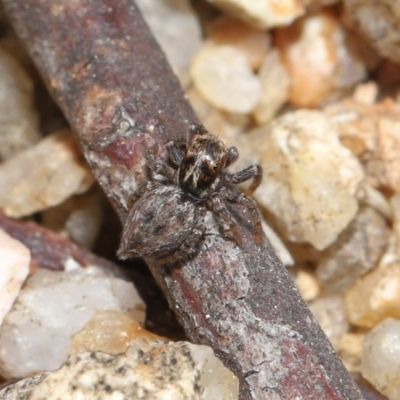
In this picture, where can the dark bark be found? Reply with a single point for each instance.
(112, 82)
(52, 251)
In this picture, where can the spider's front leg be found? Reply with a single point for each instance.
(159, 167)
(175, 153)
(233, 155)
(251, 207)
(190, 246)
(227, 226)
(253, 171)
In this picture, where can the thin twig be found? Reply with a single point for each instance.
(110, 78)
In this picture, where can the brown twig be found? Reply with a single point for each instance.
(110, 78)
(51, 251)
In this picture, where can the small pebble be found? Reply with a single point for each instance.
(19, 120)
(375, 297)
(263, 13)
(148, 370)
(307, 284)
(275, 82)
(14, 268)
(254, 43)
(43, 176)
(372, 133)
(350, 349)
(310, 179)
(357, 251)
(314, 51)
(380, 359)
(109, 331)
(79, 218)
(168, 19)
(53, 305)
(224, 78)
(379, 22)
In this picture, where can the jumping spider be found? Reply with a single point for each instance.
(167, 217)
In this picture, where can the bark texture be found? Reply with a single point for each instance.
(110, 78)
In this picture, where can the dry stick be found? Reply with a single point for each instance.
(110, 78)
(50, 250)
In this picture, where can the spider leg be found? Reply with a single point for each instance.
(159, 167)
(253, 171)
(190, 246)
(175, 153)
(251, 207)
(233, 155)
(227, 225)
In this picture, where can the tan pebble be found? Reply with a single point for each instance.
(378, 21)
(43, 175)
(314, 52)
(380, 359)
(254, 43)
(366, 93)
(308, 285)
(350, 349)
(372, 133)
(109, 331)
(224, 78)
(263, 13)
(275, 82)
(375, 297)
(310, 179)
(357, 251)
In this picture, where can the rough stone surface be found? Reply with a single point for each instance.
(19, 121)
(380, 360)
(379, 21)
(78, 218)
(372, 132)
(43, 176)
(310, 178)
(22, 389)
(253, 43)
(375, 297)
(14, 268)
(109, 331)
(275, 82)
(307, 284)
(263, 13)
(147, 370)
(315, 52)
(221, 123)
(53, 306)
(224, 77)
(357, 251)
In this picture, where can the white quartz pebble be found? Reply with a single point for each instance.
(53, 305)
(380, 359)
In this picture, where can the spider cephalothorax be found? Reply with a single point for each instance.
(167, 217)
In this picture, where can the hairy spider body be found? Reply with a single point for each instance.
(167, 217)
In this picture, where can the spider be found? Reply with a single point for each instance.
(167, 217)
